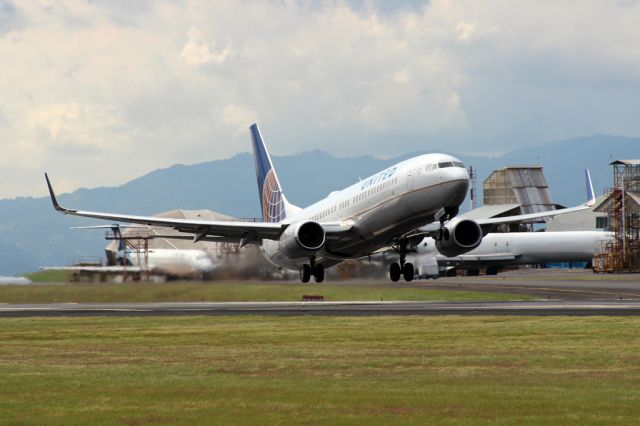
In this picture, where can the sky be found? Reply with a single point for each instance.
(100, 92)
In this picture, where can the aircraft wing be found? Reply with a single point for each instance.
(239, 231)
(591, 200)
(432, 228)
(530, 216)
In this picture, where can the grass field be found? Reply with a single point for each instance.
(320, 370)
(231, 291)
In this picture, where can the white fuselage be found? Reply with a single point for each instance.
(173, 261)
(381, 207)
(521, 248)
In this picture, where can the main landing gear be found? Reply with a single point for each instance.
(404, 268)
(312, 268)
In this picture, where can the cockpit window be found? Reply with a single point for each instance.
(450, 164)
(430, 167)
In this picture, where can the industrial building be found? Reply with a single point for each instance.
(514, 190)
(591, 219)
(522, 185)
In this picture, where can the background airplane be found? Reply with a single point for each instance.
(512, 248)
(134, 260)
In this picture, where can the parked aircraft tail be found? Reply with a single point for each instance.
(591, 198)
(274, 204)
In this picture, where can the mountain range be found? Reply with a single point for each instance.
(32, 234)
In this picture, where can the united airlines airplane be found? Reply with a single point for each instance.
(386, 211)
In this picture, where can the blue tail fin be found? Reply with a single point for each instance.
(591, 197)
(272, 200)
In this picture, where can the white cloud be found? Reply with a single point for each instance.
(86, 85)
(238, 118)
(200, 52)
(465, 30)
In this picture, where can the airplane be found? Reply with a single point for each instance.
(128, 260)
(512, 248)
(383, 212)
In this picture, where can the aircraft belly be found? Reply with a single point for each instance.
(379, 227)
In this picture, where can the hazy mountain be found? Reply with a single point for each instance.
(32, 234)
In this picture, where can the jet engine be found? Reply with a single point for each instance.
(459, 237)
(302, 239)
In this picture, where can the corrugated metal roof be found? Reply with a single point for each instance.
(522, 166)
(602, 206)
(627, 162)
(635, 196)
(486, 212)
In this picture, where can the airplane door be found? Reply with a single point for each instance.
(412, 177)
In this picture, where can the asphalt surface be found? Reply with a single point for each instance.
(555, 284)
(541, 308)
(559, 292)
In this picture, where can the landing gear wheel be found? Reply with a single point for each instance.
(305, 273)
(394, 272)
(408, 272)
(318, 274)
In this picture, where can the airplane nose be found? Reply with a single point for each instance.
(457, 190)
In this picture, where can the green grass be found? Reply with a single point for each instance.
(231, 291)
(320, 370)
(49, 276)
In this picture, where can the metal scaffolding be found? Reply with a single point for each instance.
(136, 244)
(622, 206)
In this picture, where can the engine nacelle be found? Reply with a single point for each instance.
(302, 239)
(459, 237)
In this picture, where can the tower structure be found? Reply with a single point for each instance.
(622, 206)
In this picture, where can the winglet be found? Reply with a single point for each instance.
(591, 198)
(54, 200)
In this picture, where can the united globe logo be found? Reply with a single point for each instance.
(272, 201)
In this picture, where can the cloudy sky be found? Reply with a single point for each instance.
(99, 92)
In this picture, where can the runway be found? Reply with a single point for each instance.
(540, 308)
(570, 285)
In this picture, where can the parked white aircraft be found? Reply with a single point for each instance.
(170, 262)
(512, 248)
(384, 211)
